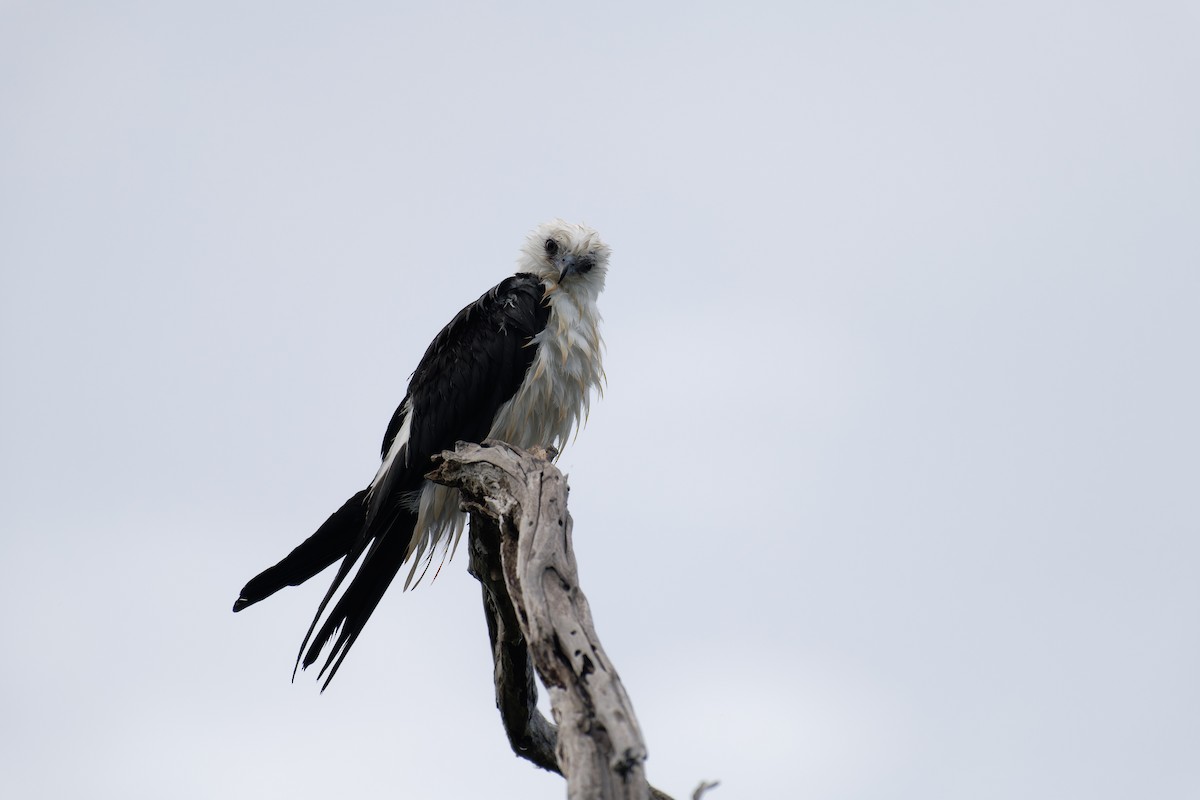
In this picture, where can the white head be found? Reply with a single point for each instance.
(566, 255)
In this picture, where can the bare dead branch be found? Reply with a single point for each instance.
(599, 744)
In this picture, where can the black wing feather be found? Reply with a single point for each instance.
(476, 364)
(470, 369)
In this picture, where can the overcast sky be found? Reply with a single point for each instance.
(895, 488)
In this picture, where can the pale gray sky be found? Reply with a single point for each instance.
(894, 489)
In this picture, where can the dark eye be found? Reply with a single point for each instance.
(551, 247)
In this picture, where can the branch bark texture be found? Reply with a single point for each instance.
(518, 501)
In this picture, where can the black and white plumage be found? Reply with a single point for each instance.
(519, 364)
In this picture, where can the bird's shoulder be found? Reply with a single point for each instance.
(513, 306)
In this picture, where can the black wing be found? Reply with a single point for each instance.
(471, 368)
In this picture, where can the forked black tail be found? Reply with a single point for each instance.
(342, 536)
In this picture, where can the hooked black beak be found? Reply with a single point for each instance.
(575, 265)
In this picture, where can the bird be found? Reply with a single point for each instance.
(520, 365)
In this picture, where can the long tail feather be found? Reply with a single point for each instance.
(347, 564)
(352, 610)
(332, 541)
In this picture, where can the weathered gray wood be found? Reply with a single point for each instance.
(599, 744)
(530, 734)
